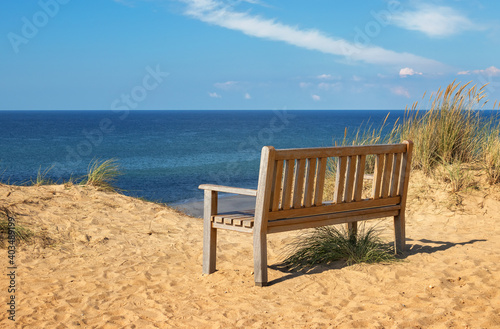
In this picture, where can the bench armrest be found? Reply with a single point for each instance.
(228, 189)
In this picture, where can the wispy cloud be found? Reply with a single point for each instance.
(316, 97)
(407, 71)
(401, 91)
(325, 76)
(221, 14)
(490, 71)
(247, 96)
(328, 86)
(434, 21)
(225, 85)
(214, 95)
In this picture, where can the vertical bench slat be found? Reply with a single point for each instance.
(277, 187)
(299, 183)
(404, 170)
(340, 179)
(377, 175)
(395, 175)
(360, 174)
(309, 186)
(386, 181)
(320, 182)
(287, 184)
(351, 171)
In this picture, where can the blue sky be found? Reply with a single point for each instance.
(242, 54)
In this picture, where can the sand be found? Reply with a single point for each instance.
(112, 261)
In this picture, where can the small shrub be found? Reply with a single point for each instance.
(329, 243)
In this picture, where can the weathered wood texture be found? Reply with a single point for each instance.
(291, 192)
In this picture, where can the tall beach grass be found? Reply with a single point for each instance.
(449, 132)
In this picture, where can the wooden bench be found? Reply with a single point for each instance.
(290, 196)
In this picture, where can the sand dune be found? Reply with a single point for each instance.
(119, 262)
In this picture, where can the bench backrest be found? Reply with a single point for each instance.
(292, 181)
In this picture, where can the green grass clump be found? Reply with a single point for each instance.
(41, 177)
(20, 233)
(102, 174)
(327, 244)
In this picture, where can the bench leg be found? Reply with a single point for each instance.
(260, 259)
(399, 233)
(209, 248)
(209, 233)
(352, 227)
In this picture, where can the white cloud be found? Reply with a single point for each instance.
(225, 85)
(247, 96)
(218, 13)
(401, 91)
(316, 97)
(434, 21)
(325, 76)
(355, 78)
(490, 71)
(214, 95)
(404, 72)
(328, 86)
(304, 84)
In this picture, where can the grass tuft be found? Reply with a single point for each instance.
(456, 175)
(41, 177)
(20, 233)
(102, 174)
(491, 157)
(327, 244)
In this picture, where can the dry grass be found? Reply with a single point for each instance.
(450, 137)
(451, 130)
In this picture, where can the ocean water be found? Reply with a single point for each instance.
(165, 155)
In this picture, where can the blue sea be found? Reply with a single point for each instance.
(165, 155)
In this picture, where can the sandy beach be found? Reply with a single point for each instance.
(112, 261)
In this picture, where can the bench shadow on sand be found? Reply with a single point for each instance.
(427, 247)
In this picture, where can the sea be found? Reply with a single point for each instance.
(165, 155)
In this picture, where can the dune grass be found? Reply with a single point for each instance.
(451, 130)
(102, 174)
(41, 177)
(327, 244)
(21, 234)
(491, 156)
(449, 134)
